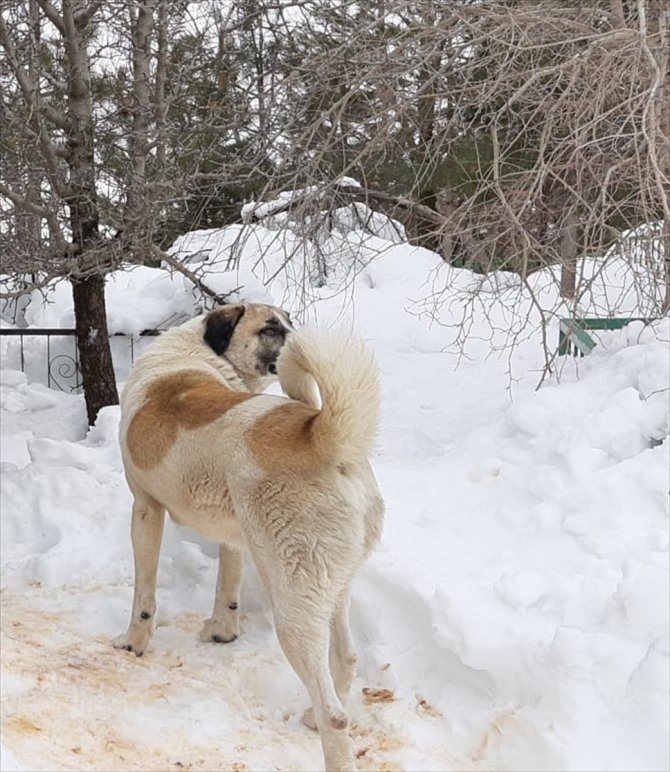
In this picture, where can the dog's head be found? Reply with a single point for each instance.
(249, 335)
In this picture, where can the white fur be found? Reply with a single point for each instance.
(348, 382)
(307, 533)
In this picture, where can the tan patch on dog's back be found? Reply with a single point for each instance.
(183, 400)
(281, 439)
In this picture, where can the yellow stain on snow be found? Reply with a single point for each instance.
(70, 701)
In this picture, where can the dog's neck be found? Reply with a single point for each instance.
(247, 382)
(194, 348)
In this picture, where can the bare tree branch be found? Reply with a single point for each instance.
(177, 266)
(52, 15)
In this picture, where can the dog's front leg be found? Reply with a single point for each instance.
(224, 626)
(146, 533)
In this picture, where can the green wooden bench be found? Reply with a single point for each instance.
(574, 339)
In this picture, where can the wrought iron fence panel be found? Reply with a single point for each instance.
(60, 367)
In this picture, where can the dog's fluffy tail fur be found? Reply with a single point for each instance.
(348, 383)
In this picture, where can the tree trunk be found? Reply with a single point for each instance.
(664, 140)
(665, 240)
(569, 247)
(138, 205)
(95, 356)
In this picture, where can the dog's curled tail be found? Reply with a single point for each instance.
(348, 382)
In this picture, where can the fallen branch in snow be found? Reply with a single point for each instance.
(399, 207)
(327, 198)
(386, 201)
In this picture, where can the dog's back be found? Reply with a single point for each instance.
(188, 434)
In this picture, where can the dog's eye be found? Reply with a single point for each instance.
(271, 332)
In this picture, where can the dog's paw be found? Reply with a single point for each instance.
(337, 720)
(215, 631)
(130, 641)
(308, 719)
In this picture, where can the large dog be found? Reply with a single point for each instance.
(289, 479)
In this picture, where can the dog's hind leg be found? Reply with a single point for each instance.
(146, 534)
(342, 651)
(224, 625)
(342, 656)
(303, 630)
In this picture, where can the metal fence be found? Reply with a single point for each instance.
(60, 369)
(574, 339)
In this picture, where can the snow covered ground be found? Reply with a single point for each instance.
(515, 616)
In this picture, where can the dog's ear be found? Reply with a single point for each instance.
(220, 324)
